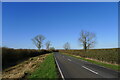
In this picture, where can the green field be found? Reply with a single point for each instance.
(111, 66)
(46, 70)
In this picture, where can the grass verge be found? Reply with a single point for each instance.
(111, 66)
(46, 70)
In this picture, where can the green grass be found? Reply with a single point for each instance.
(111, 66)
(46, 70)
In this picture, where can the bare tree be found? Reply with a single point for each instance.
(38, 40)
(48, 44)
(66, 46)
(52, 48)
(87, 39)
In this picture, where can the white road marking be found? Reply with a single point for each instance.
(69, 59)
(59, 69)
(89, 69)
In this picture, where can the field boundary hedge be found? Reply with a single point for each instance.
(105, 55)
(11, 57)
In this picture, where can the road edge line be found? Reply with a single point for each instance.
(59, 69)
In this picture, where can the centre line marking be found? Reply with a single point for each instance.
(69, 59)
(89, 69)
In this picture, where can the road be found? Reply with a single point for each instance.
(75, 68)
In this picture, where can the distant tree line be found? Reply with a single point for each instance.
(87, 40)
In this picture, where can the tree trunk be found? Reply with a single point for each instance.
(85, 47)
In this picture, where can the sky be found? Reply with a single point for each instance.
(59, 22)
(60, 0)
(0, 24)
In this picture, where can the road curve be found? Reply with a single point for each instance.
(75, 68)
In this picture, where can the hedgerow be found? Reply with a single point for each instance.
(12, 57)
(106, 55)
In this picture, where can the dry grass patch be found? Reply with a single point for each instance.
(24, 68)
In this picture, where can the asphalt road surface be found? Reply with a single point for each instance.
(75, 68)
